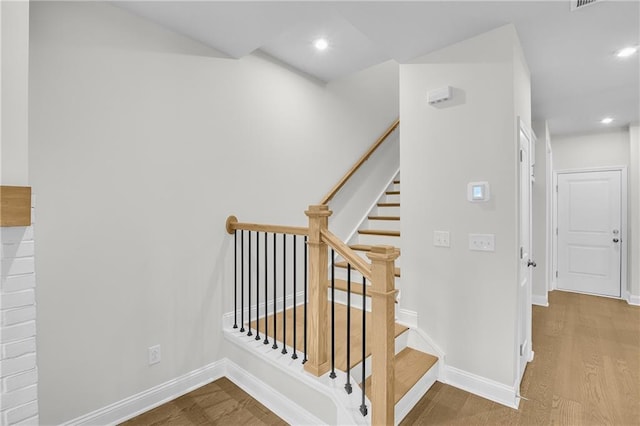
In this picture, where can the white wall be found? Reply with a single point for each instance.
(14, 65)
(142, 142)
(540, 236)
(634, 214)
(591, 150)
(466, 300)
(610, 148)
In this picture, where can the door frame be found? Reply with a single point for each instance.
(624, 213)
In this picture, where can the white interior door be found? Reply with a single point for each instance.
(590, 232)
(524, 282)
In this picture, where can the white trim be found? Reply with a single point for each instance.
(624, 213)
(408, 318)
(139, 403)
(550, 272)
(631, 298)
(413, 396)
(481, 386)
(372, 206)
(149, 399)
(539, 300)
(282, 406)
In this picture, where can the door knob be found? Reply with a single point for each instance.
(531, 263)
(615, 240)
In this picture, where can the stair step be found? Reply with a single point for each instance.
(341, 321)
(379, 232)
(356, 288)
(410, 365)
(343, 264)
(388, 204)
(361, 247)
(397, 182)
(392, 192)
(383, 217)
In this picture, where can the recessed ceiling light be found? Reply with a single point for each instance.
(606, 120)
(321, 44)
(627, 51)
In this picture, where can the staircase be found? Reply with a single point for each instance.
(412, 366)
(343, 328)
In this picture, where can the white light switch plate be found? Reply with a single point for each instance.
(482, 242)
(441, 239)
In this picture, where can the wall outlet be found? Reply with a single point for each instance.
(482, 242)
(441, 239)
(154, 354)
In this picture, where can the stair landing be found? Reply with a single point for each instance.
(341, 332)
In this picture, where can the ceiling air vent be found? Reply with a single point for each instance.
(577, 4)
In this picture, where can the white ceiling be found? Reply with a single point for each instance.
(576, 78)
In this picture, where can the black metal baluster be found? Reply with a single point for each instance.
(305, 300)
(250, 333)
(347, 385)
(266, 295)
(363, 406)
(275, 329)
(295, 355)
(242, 281)
(258, 285)
(235, 279)
(284, 294)
(333, 317)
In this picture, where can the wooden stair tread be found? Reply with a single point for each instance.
(343, 264)
(410, 365)
(341, 332)
(392, 192)
(356, 288)
(383, 217)
(365, 247)
(388, 204)
(396, 181)
(379, 232)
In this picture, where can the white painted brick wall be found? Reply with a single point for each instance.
(18, 371)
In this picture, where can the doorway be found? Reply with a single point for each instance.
(591, 231)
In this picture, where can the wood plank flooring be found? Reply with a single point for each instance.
(218, 403)
(586, 371)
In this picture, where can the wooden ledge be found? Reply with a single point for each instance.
(15, 206)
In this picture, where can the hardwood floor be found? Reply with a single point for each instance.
(586, 371)
(218, 403)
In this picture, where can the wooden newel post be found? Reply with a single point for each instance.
(318, 321)
(383, 295)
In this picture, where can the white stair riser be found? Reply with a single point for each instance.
(391, 198)
(378, 240)
(386, 211)
(388, 225)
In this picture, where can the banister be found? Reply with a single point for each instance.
(232, 224)
(359, 163)
(346, 252)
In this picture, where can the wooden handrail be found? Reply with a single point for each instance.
(359, 163)
(233, 224)
(346, 252)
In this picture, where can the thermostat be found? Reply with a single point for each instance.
(478, 192)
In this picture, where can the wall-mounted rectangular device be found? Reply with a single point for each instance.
(439, 95)
(478, 192)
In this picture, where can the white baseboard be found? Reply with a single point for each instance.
(269, 397)
(408, 318)
(481, 386)
(632, 299)
(142, 402)
(539, 300)
(134, 405)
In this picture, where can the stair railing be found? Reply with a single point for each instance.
(318, 347)
(359, 163)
